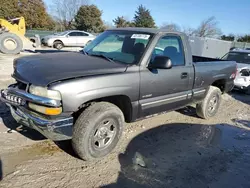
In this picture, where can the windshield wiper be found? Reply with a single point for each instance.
(102, 56)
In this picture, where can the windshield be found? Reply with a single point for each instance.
(120, 46)
(239, 57)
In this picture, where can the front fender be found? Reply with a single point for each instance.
(86, 96)
(76, 92)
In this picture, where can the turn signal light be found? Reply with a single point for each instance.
(45, 110)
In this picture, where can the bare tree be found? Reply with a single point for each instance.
(66, 10)
(208, 28)
(189, 31)
(171, 27)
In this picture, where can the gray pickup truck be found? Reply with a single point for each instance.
(124, 75)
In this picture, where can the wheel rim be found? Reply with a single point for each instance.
(10, 44)
(59, 46)
(212, 105)
(104, 134)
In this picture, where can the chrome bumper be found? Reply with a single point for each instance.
(57, 129)
(26, 97)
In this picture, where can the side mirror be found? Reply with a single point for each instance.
(161, 62)
(67, 36)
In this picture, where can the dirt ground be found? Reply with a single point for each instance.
(175, 149)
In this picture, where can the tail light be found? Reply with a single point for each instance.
(233, 75)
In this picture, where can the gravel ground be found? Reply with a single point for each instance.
(175, 149)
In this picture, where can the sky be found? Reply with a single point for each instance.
(232, 16)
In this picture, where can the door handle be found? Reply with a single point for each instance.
(184, 75)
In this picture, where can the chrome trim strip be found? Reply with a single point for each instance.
(201, 91)
(173, 98)
(164, 100)
(32, 98)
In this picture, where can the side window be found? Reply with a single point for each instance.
(72, 34)
(85, 34)
(81, 34)
(143, 41)
(170, 46)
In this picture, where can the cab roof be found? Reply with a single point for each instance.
(146, 30)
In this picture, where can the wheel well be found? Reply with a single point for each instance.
(220, 84)
(121, 101)
(57, 41)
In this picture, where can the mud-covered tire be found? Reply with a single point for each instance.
(58, 45)
(87, 129)
(209, 107)
(10, 43)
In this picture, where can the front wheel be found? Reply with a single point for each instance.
(58, 45)
(209, 107)
(97, 130)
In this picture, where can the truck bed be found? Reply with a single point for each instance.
(204, 59)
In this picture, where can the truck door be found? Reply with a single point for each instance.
(166, 89)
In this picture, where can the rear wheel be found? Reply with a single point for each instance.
(10, 43)
(210, 105)
(97, 130)
(58, 45)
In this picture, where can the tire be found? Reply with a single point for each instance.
(58, 45)
(10, 43)
(209, 107)
(87, 130)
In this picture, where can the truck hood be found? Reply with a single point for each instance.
(43, 69)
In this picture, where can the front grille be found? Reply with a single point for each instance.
(11, 98)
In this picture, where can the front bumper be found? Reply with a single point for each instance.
(56, 128)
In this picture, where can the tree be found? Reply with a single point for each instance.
(66, 10)
(120, 21)
(88, 18)
(230, 37)
(245, 38)
(208, 28)
(171, 27)
(34, 12)
(143, 18)
(189, 31)
(9, 9)
(108, 25)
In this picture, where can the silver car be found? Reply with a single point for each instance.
(242, 57)
(73, 38)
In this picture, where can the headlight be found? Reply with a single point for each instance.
(44, 92)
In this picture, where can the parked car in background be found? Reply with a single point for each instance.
(72, 38)
(242, 57)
